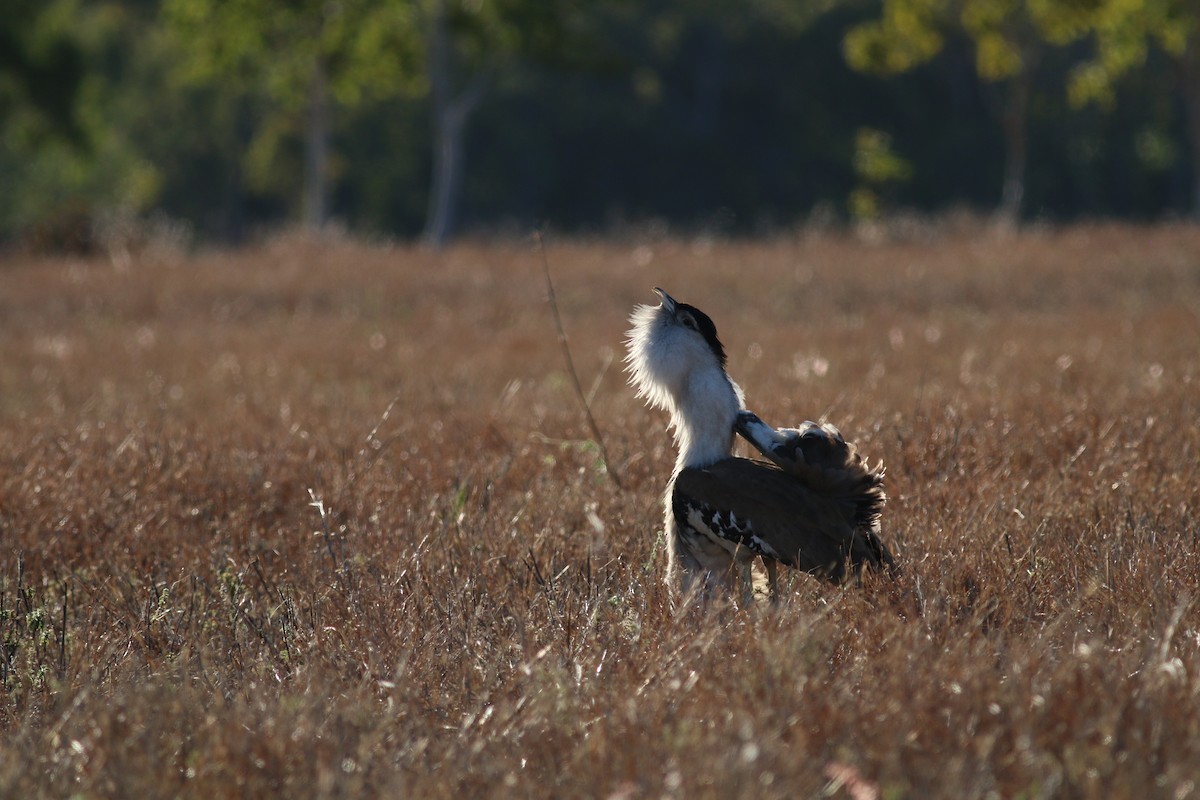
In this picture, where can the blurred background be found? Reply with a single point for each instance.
(214, 120)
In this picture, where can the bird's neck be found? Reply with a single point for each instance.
(703, 417)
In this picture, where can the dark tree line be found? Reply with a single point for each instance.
(430, 117)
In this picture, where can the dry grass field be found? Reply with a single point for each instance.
(323, 519)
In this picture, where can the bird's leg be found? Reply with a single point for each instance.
(772, 579)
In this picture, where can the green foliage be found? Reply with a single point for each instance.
(911, 32)
(268, 56)
(370, 50)
(908, 34)
(75, 170)
(1125, 31)
(874, 160)
(33, 633)
(876, 166)
(41, 65)
(1011, 39)
(996, 28)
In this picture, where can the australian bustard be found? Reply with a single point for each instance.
(815, 507)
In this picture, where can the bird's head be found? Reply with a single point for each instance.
(668, 345)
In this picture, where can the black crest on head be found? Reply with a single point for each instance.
(707, 329)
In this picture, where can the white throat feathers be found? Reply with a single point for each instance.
(676, 363)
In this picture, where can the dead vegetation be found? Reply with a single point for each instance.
(325, 520)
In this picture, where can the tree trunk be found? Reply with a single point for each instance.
(1015, 122)
(316, 152)
(447, 177)
(450, 115)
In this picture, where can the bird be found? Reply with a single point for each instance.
(816, 504)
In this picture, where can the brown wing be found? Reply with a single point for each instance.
(820, 458)
(773, 513)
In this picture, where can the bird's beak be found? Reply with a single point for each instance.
(667, 301)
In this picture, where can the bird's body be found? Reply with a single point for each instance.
(815, 507)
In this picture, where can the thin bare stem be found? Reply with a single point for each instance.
(566, 349)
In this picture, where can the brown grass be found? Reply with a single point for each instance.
(225, 572)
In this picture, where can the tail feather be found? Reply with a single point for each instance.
(818, 455)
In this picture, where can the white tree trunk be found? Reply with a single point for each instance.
(1016, 148)
(447, 178)
(450, 115)
(316, 152)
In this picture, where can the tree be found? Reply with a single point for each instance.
(66, 160)
(305, 59)
(1009, 38)
(41, 64)
(469, 46)
(309, 58)
(452, 108)
(1124, 32)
